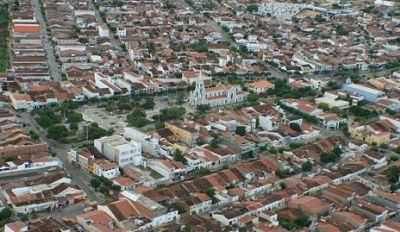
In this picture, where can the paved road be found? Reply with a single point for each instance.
(115, 42)
(54, 68)
(78, 176)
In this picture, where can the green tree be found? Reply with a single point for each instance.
(295, 126)
(57, 132)
(178, 156)
(74, 117)
(211, 193)
(200, 46)
(137, 118)
(172, 113)
(307, 166)
(116, 188)
(340, 30)
(252, 8)
(252, 98)
(282, 172)
(47, 118)
(95, 132)
(148, 103)
(323, 106)
(5, 214)
(393, 174)
(203, 109)
(243, 49)
(241, 130)
(33, 135)
(95, 183)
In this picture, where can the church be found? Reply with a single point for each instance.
(218, 95)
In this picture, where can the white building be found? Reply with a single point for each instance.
(150, 144)
(168, 168)
(218, 95)
(106, 169)
(103, 31)
(119, 150)
(104, 82)
(332, 101)
(21, 101)
(192, 76)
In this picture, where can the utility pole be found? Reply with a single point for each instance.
(87, 133)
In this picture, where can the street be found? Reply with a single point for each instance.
(54, 68)
(115, 43)
(78, 176)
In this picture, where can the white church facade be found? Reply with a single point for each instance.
(218, 95)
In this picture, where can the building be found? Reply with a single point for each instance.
(21, 101)
(378, 132)
(42, 192)
(103, 31)
(119, 150)
(168, 168)
(218, 95)
(260, 86)
(97, 220)
(192, 76)
(47, 224)
(106, 169)
(184, 132)
(369, 94)
(332, 101)
(124, 182)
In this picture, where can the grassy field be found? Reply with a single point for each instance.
(4, 21)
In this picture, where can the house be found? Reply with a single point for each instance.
(168, 168)
(270, 117)
(230, 216)
(137, 212)
(388, 225)
(348, 221)
(183, 131)
(42, 192)
(26, 28)
(16, 227)
(97, 221)
(377, 132)
(192, 76)
(260, 86)
(21, 101)
(388, 200)
(198, 203)
(218, 95)
(311, 206)
(303, 106)
(106, 169)
(103, 82)
(103, 31)
(331, 120)
(119, 150)
(124, 182)
(84, 159)
(370, 210)
(47, 224)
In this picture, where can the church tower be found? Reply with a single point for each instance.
(198, 96)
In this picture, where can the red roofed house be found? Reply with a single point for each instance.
(260, 86)
(26, 28)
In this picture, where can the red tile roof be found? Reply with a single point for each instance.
(26, 28)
